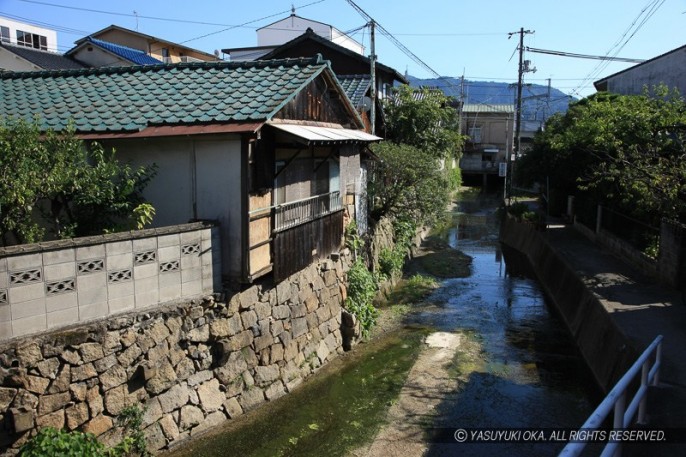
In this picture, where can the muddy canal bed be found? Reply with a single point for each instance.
(485, 350)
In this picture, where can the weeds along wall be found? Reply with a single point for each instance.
(191, 365)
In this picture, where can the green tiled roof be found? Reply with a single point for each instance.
(132, 98)
(355, 87)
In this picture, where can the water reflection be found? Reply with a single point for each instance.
(527, 372)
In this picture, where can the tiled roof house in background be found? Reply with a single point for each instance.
(157, 48)
(20, 58)
(269, 149)
(26, 47)
(99, 53)
(347, 60)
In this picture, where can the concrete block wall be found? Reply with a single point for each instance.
(56, 284)
(672, 259)
(605, 348)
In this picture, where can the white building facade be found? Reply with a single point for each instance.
(23, 34)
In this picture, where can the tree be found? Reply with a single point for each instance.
(423, 119)
(627, 151)
(406, 184)
(52, 182)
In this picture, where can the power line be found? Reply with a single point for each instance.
(250, 22)
(114, 13)
(55, 27)
(582, 56)
(646, 13)
(396, 42)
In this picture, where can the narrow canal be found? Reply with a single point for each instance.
(515, 367)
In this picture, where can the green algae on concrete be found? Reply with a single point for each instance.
(337, 410)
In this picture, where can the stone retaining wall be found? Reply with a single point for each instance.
(192, 366)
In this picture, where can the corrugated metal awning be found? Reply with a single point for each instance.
(322, 135)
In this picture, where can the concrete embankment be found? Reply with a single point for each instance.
(605, 347)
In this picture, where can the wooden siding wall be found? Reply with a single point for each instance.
(316, 103)
(296, 248)
(259, 234)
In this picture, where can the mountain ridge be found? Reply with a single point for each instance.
(536, 104)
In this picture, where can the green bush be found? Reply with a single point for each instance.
(362, 287)
(51, 442)
(391, 262)
(454, 178)
(353, 241)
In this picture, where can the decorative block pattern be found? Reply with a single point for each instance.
(189, 249)
(18, 278)
(169, 266)
(60, 287)
(90, 266)
(141, 258)
(119, 276)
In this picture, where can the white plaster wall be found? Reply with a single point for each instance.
(96, 57)
(344, 40)
(292, 27)
(12, 62)
(218, 194)
(196, 178)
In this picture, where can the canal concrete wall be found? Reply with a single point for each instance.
(191, 365)
(604, 346)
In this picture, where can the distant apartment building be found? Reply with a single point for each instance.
(272, 36)
(26, 47)
(489, 129)
(27, 35)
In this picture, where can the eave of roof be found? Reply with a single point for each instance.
(310, 35)
(177, 130)
(299, 17)
(600, 81)
(487, 108)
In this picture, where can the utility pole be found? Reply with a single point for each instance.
(523, 68)
(372, 60)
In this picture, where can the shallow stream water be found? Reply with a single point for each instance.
(527, 372)
(521, 369)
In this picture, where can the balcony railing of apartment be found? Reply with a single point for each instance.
(181, 59)
(288, 215)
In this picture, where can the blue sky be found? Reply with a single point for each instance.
(454, 37)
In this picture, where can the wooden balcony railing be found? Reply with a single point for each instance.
(291, 214)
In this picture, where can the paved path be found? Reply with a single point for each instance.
(642, 308)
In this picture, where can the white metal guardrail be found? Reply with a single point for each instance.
(616, 400)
